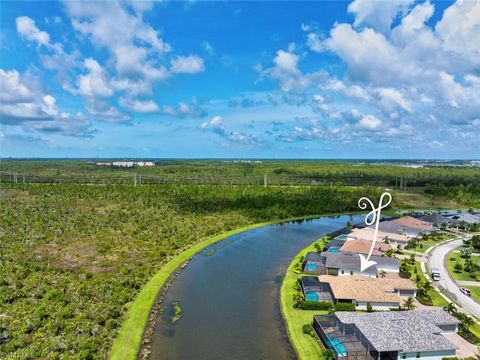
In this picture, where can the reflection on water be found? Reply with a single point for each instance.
(229, 295)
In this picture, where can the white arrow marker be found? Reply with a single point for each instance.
(365, 262)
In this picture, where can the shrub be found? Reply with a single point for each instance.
(458, 267)
(369, 307)
(315, 305)
(425, 301)
(341, 306)
(308, 329)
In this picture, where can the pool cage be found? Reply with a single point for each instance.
(347, 342)
(314, 290)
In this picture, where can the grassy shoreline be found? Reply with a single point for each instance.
(305, 346)
(128, 341)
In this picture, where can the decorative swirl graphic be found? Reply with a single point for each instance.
(373, 217)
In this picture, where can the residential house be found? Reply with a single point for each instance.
(347, 263)
(388, 335)
(362, 246)
(413, 223)
(392, 237)
(381, 293)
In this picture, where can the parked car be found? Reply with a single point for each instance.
(465, 291)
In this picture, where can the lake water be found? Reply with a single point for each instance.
(229, 295)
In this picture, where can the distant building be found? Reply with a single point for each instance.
(127, 164)
(411, 222)
(466, 217)
(436, 219)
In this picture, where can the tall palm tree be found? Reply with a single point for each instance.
(382, 274)
(409, 304)
(450, 308)
(427, 286)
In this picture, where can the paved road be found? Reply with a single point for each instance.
(436, 259)
(468, 283)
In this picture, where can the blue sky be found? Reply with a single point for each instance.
(360, 79)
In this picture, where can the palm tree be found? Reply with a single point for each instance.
(427, 286)
(450, 308)
(382, 274)
(409, 304)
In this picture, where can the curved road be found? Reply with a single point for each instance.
(437, 259)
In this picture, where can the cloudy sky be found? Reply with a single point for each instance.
(360, 79)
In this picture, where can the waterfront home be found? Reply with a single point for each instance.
(436, 219)
(392, 227)
(465, 217)
(381, 293)
(392, 237)
(347, 263)
(388, 335)
(413, 223)
(362, 246)
(314, 290)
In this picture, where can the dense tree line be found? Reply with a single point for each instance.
(468, 194)
(290, 172)
(73, 256)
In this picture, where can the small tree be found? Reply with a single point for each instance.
(412, 259)
(451, 308)
(328, 354)
(369, 307)
(409, 304)
(427, 286)
(458, 267)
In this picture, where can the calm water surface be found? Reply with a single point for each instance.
(229, 295)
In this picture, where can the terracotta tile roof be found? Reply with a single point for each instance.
(362, 288)
(413, 223)
(367, 233)
(362, 246)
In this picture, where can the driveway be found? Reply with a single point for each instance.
(437, 259)
(464, 348)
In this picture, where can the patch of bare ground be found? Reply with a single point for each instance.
(80, 255)
(416, 198)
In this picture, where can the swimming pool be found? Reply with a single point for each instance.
(338, 347)
(343, 237)
(312, 267)
(333, 250)
(311, 296)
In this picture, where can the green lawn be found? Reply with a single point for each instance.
(437, 299)
(475, 291)
(452, 259)
(304, 345)
(423, 245)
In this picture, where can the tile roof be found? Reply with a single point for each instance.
(368, 232)
(362, 288)
(362, 246)
(405, 331)
(467, 217)
(413, 223)
(351, 261)
(435, 219)
(392, 227)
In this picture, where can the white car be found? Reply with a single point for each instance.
(465, 291)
